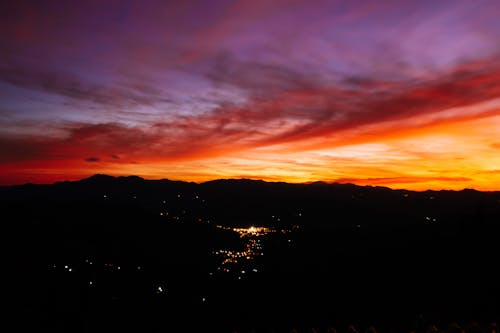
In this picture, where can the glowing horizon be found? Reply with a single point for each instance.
(401, 94)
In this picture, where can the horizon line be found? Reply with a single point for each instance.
(332, 182)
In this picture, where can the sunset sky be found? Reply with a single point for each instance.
(404, 94)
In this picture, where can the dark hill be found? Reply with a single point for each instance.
(244, 201)
(145, 255)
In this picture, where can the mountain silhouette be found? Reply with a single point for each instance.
(136, 254)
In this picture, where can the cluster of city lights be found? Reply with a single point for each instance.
(253, 248)
(253, 231)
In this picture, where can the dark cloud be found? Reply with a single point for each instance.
(23, 148)
(260, 79)
(400, 180)
(92, 159)
(80, 139)
(125, 94)
(163, 140)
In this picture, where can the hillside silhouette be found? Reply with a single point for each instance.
(124, 253)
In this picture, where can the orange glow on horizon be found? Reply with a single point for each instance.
(449, 155)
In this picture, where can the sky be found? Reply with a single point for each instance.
(404, 94)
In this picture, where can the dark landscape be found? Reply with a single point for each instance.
(128, 254)
(251, 166)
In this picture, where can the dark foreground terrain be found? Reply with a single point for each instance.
(125, 254)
